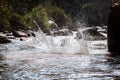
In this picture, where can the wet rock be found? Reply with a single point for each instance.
(78, 35)
(9, 34)
(30, 33)
(4, 40)
(93, 34)
(62, 32)
(19, 34)
(114, 27)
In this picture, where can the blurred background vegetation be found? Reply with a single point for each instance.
(20, 14)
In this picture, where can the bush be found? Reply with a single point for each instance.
(37, 18)
(16, 22)
(5, 10)
(59, 16)
(92, 13)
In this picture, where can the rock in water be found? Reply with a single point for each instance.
(30, 33)
(78, 35)
(19, 34)
(114, 27)
(4, 40)
(92, 34)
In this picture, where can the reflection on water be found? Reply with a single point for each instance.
(31, 65)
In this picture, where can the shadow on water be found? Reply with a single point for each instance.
(114, 63)
(3, 66)
(4, 69)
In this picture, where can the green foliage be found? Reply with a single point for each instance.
(16, 22)
(5, 10)
(93, 13)
(37, 18)
(15, 14)
(23, 6)
(59, 16)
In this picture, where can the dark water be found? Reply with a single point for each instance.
(34, 65)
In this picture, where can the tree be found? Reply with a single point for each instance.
(5, 11)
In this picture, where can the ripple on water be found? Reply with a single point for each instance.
(30, 64)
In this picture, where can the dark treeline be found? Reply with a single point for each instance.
(94, 11)
(20, 14)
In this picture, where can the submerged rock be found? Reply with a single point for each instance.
(4, 40)
(22, 39)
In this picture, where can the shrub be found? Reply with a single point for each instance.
(16, 22)
(5, 10)
(59, 16)
(93, 13)
(37, 18)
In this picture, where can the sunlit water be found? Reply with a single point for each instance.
(57, 58)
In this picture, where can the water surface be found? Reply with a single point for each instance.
(59, 58)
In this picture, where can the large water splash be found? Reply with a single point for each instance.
(43, 43)
(59, 44)
(51, 44)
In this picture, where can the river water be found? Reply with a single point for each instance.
(57, 58)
